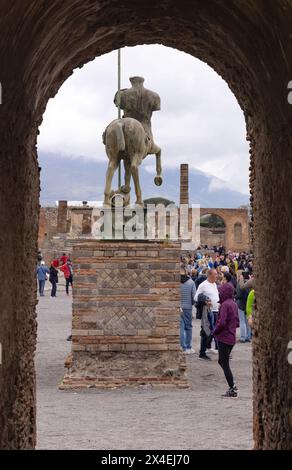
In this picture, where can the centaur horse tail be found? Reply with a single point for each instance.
(118, 131)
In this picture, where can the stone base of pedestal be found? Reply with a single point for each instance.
(125, 328)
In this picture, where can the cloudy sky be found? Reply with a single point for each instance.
(200, 121)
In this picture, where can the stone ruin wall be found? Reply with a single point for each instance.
(58, 226)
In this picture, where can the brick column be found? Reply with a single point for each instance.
(125, 328)
(184, 184)
(62, 217)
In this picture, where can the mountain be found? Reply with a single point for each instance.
(83, 179)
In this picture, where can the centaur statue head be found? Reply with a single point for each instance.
(130, 138)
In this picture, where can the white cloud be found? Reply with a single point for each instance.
(200, 121)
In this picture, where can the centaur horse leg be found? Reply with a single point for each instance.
(136, 161)
(157, 151)
(112, 166)
(127, 165)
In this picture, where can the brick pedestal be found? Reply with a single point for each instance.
(125, 328)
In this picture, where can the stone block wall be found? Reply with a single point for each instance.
(126, 315)
(47, 224)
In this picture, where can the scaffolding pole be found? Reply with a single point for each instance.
(119, 111)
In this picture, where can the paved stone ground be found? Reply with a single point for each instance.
(141, 418)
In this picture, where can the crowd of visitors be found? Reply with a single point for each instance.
(44, 273)
(217, 288)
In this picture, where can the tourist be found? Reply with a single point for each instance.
(188, 291)
(222, 261)
(241, 300)
(219, 278)
(221, 250)
(249, 266)
(63, 259)
(201, 265)
(53, 278)
(42, 270)
(201, 277)
(242, 264)
(194, 275)
(190, 265)
(224, 268)
(217, 261)
(209, 261)
(227, 277)
(225, 333)
(210, 290)
(235, 262)
(67, 269)
(199, 254)
(250, 305)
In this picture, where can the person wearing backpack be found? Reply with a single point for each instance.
(42, 270)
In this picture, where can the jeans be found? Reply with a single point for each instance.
(245, 329)
(186, 329)
(69, 280)
(213, 318)
(42, 286)
(205, 343)
(223, 361)
(54, 288)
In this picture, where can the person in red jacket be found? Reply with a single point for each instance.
(225, 333)
(68, 274)
(64, 258)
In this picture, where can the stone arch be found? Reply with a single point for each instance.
(213, 236)
(38, 52)
(231, 217)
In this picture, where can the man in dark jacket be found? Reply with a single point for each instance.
(225, 333)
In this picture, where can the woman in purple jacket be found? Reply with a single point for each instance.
(225, 333)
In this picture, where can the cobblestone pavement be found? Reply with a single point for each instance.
(141, 418)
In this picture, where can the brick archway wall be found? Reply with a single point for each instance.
(230, 218)
(41, 44)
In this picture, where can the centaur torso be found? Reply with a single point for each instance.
(139, 103)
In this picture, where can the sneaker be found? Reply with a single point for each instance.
(190, 351)
(204, 358)
(69, 338)
(231, 393)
